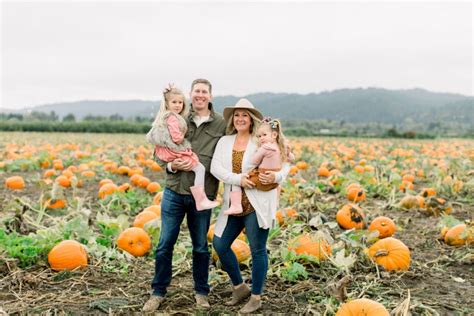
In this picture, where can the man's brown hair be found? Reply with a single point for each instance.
(204, 81)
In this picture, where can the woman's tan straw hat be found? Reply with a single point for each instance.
(241, 104)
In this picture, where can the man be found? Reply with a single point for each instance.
(205, 127)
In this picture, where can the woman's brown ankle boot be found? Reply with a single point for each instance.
(238, 294)
(252, 305)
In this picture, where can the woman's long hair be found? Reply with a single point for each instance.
(254, 124)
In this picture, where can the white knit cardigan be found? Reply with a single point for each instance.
(265, 203)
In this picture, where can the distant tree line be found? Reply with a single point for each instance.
(50, 122)
(53, 117)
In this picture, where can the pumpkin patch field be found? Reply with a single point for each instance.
(382, 226)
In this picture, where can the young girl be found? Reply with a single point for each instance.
(272, 152)
(167, 134)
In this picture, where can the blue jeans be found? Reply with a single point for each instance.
(258, 246)
(174, 207)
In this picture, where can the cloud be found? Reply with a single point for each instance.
(66, 51)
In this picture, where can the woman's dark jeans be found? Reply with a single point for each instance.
(258, 241)
(174, 207)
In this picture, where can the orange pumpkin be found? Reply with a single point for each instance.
(134, 171)
(356, 194)
(427, 192)
(155, 209)
(88, 173)
(144, 217)
(72, 168)
(58, 164)
(302, 165)
(153, 187)
(458, 235)
(15, 183)
(406, 185)
(436, 206)
(293, 170)
(56, 203)
(420, 173)
(421, 201)
(63, 181)
(111, 167)
(123, 170)
(283, 215)
(362, 307)
(384, 225)
(135, 241)
(68, 173)
(67, 255)
(390, 253)
(310, 245)
(143, 182)
(107, 189)
(369, 168)
(48, 173)
(157, 198)
(124, 187)
(323, 172)
(210, 234)
(104, 182)
(410, 201)
(155, 166)
(443, 232)
(353, 186)
(45, 164)
(240, 248)
(359, 169)
(135, 178)
(408, 178)
(351, 216)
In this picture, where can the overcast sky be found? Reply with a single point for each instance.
(69, 51)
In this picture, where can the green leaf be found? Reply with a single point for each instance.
(294, 272)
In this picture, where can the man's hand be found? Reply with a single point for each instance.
(267, 177)
(246, 183)
(180, 164)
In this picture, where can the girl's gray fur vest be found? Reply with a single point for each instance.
(159, 134)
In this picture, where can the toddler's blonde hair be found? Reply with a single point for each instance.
(164, 107)
(282, 141)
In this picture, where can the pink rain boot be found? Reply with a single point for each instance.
(202, 202)
(235, 203)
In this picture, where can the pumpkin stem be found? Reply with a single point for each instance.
(381, 253)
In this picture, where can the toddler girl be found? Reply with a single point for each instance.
(167, 134)
(273, 150)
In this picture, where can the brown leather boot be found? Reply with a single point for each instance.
(252, 305)
(239, 294)
(202, 301)
(153, 303)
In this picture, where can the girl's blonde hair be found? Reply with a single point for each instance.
(164, 107)
(254, 124)
(282, 141)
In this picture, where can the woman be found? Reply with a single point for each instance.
(230, 164)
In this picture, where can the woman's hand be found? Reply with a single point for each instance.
(246, 183)
(267, 177)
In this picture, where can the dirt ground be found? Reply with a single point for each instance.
(439, 281)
